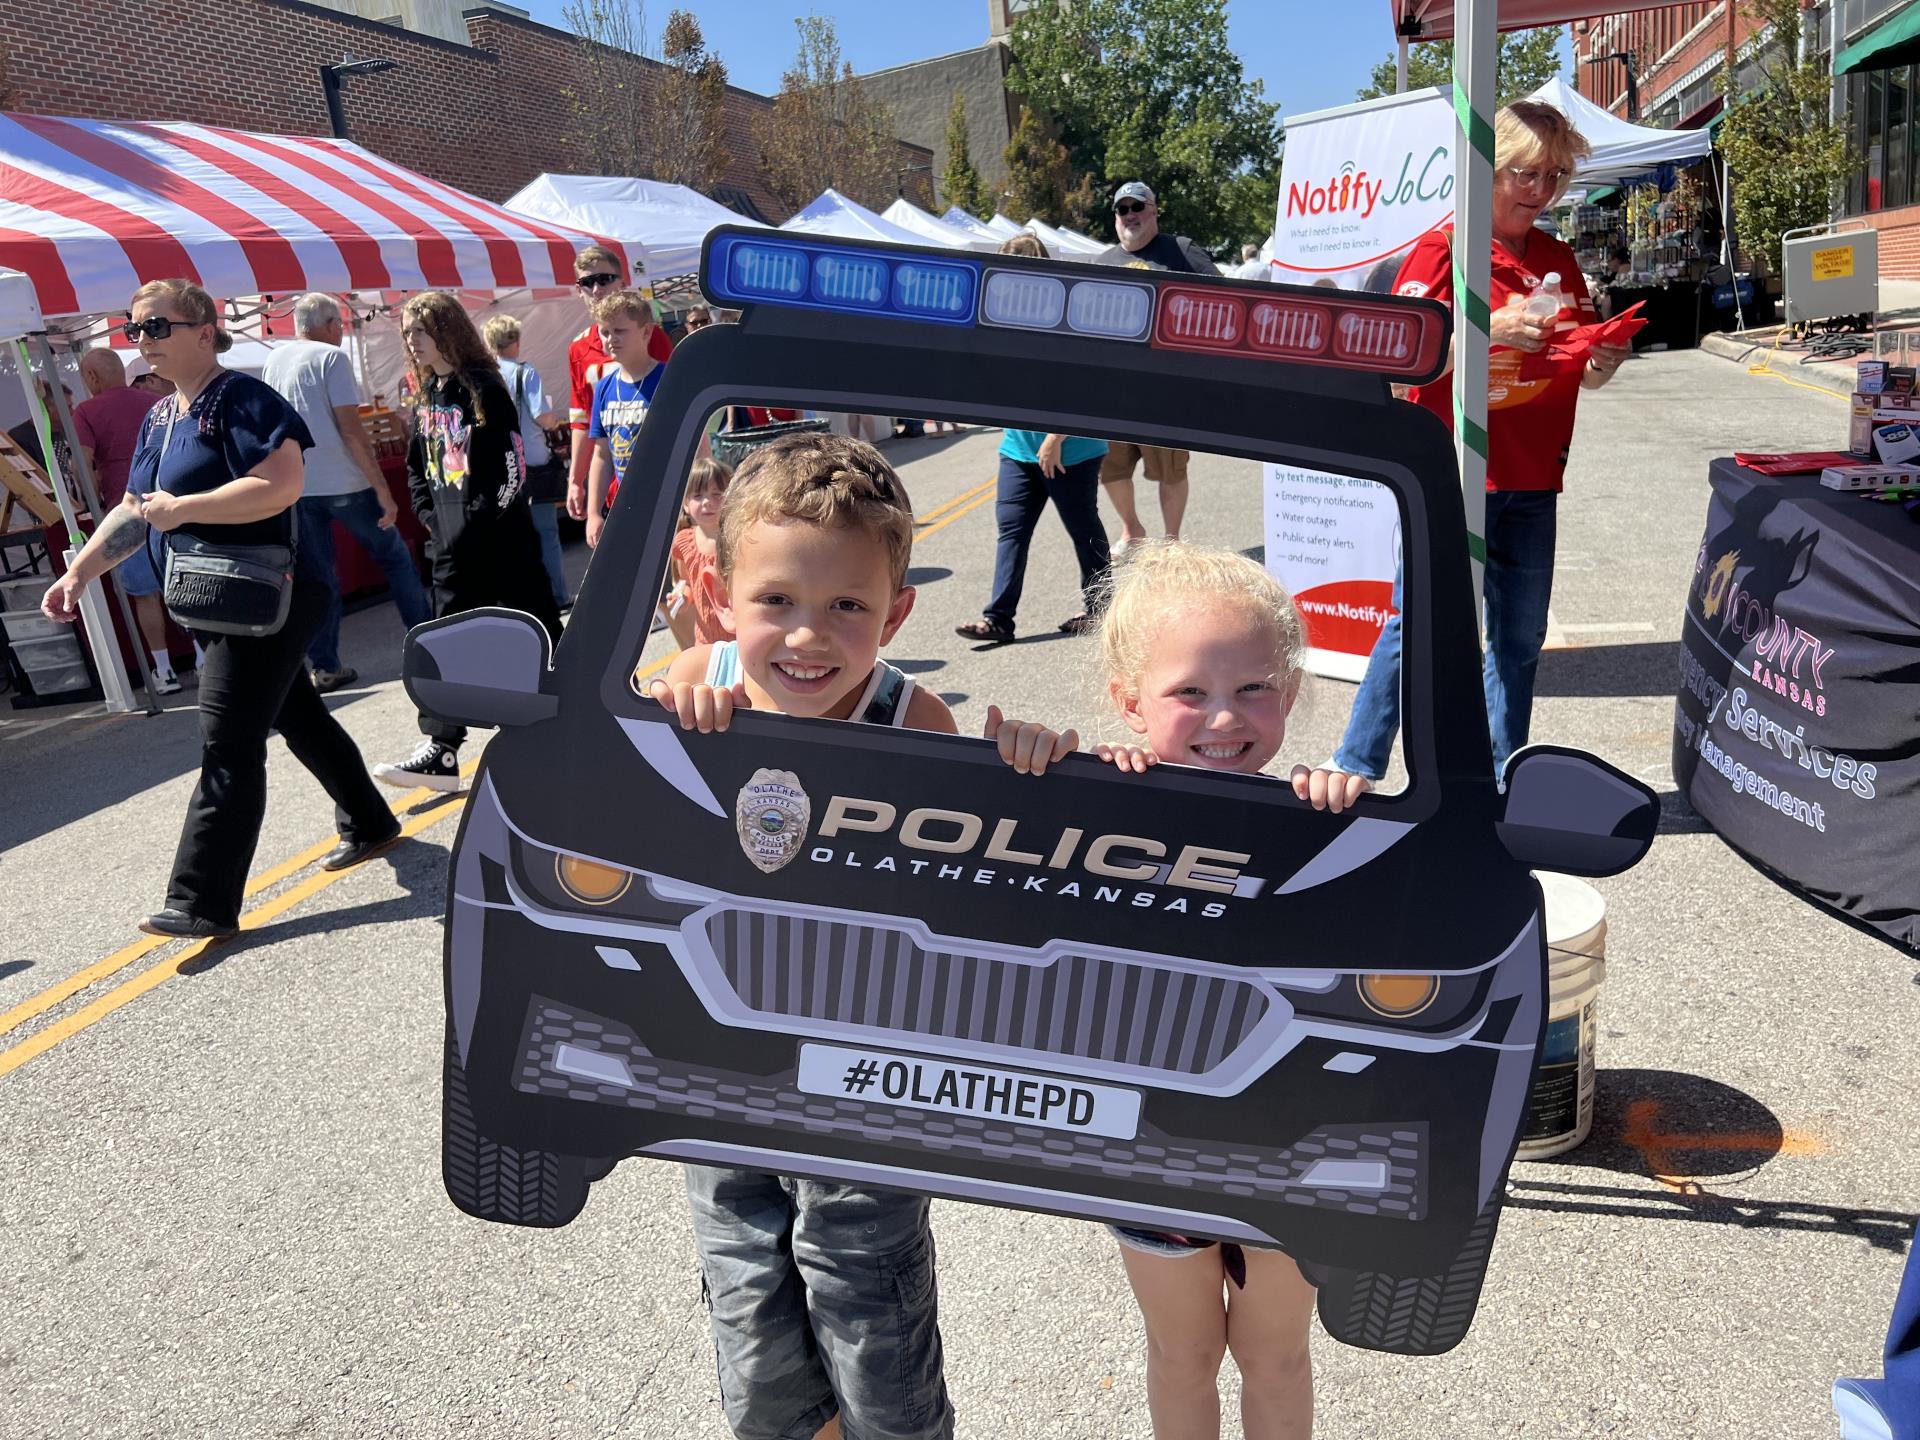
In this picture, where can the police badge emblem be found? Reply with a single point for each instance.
(771, 817)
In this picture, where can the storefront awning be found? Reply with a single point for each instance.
(1894, 42)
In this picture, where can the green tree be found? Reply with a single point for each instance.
(656, 116)
(1039, 174)
(960, 180)
(1152, 90)
(1527, 60)
(1784, 158)
(825, 129)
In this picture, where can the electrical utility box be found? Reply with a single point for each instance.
(1830, 273)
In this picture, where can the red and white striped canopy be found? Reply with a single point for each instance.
(91, 210)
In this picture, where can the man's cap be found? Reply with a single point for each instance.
(1133, 190)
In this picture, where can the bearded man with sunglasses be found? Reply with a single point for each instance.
(1136, 220)
(598, 272)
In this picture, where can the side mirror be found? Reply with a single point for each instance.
(481, 667)
(1568, 811)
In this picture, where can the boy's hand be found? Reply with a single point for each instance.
(1027, 745)
(705, 708)
(596, 522)
(1333, 790)
(1132, 758)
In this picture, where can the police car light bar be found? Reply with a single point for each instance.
(1351, 334)
(1396, 338)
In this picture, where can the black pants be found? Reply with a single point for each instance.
(499, 564)
(250, 686)
(1024, 492)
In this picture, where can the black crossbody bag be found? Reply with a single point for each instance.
(226, 589)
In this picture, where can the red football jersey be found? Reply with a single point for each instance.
(1529, 419)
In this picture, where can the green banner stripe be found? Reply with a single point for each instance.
(1476, 438)
(1477, 547)
(1479, 313)
(1479, 130)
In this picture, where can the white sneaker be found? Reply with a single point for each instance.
(165, 682)
(432, 764)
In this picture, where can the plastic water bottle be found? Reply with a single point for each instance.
(1545, 301)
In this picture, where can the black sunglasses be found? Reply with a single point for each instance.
(1129, 207)
(594, 282)
(158, 327)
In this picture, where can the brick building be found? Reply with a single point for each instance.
(487, 113)
(1678, 54)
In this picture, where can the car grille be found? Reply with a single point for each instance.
(1126, 1013)
(628, 1075)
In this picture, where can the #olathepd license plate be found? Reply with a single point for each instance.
(980, 1091)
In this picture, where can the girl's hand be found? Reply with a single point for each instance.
(705, 708)
(1028, 746)
(1333, 790)
(162, 511)
(1132, 758)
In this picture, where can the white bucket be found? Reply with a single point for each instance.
(1560, 1107)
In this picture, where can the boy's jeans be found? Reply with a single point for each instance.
(546, 519)
(360, 513)
(1521, 528)
(822, 1300)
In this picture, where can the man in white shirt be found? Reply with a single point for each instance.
(343, 480)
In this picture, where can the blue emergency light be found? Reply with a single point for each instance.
(1254, 321)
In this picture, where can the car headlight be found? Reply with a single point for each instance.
(590, 882)
(1397, 996)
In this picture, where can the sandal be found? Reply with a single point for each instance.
(990, 631)
(1077, 624)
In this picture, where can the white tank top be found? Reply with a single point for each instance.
(883, 702)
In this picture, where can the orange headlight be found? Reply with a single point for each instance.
(589, 883)
(1398, 996)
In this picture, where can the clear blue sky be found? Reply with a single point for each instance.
(1310, 53)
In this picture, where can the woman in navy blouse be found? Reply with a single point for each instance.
(221, 461)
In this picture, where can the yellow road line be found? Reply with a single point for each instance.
(113, 964)
(939, 510)
(130, 990)
(952, 516)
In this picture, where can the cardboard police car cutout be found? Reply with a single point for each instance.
(1181, 1000)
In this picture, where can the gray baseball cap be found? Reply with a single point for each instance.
(1134, 190)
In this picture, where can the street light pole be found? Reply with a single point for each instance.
(332, 77)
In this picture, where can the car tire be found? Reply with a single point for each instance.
(1407, 1315)
(502, 1183)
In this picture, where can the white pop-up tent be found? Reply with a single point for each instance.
(960, 220)
(1621, 151)
(1064, 244)
(661, 223)
(1001, 226)
(834, 214)
(933, 230)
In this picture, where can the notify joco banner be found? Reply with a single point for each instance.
(1358, 185)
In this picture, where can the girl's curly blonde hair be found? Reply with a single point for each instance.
(1155, 583)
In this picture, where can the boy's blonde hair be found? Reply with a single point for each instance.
(1156, 581)
(827, 480)
(501, 332)
(623, 302)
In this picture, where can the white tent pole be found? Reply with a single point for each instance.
(105, 645)
(1474, 47)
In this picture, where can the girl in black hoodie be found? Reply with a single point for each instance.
(466, 473)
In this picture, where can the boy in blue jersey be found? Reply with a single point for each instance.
(620, 399)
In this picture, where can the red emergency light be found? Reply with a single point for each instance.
(1398, 339)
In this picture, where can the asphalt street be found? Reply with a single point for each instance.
(221, 1210)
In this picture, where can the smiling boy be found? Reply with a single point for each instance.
(621, 399)
(822, 1295)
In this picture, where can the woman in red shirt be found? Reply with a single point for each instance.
(1529, 427)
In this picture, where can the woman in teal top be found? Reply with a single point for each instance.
(1034, 468)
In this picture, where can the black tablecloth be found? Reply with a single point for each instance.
(1797, 728)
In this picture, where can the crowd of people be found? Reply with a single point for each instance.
(789, 578)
